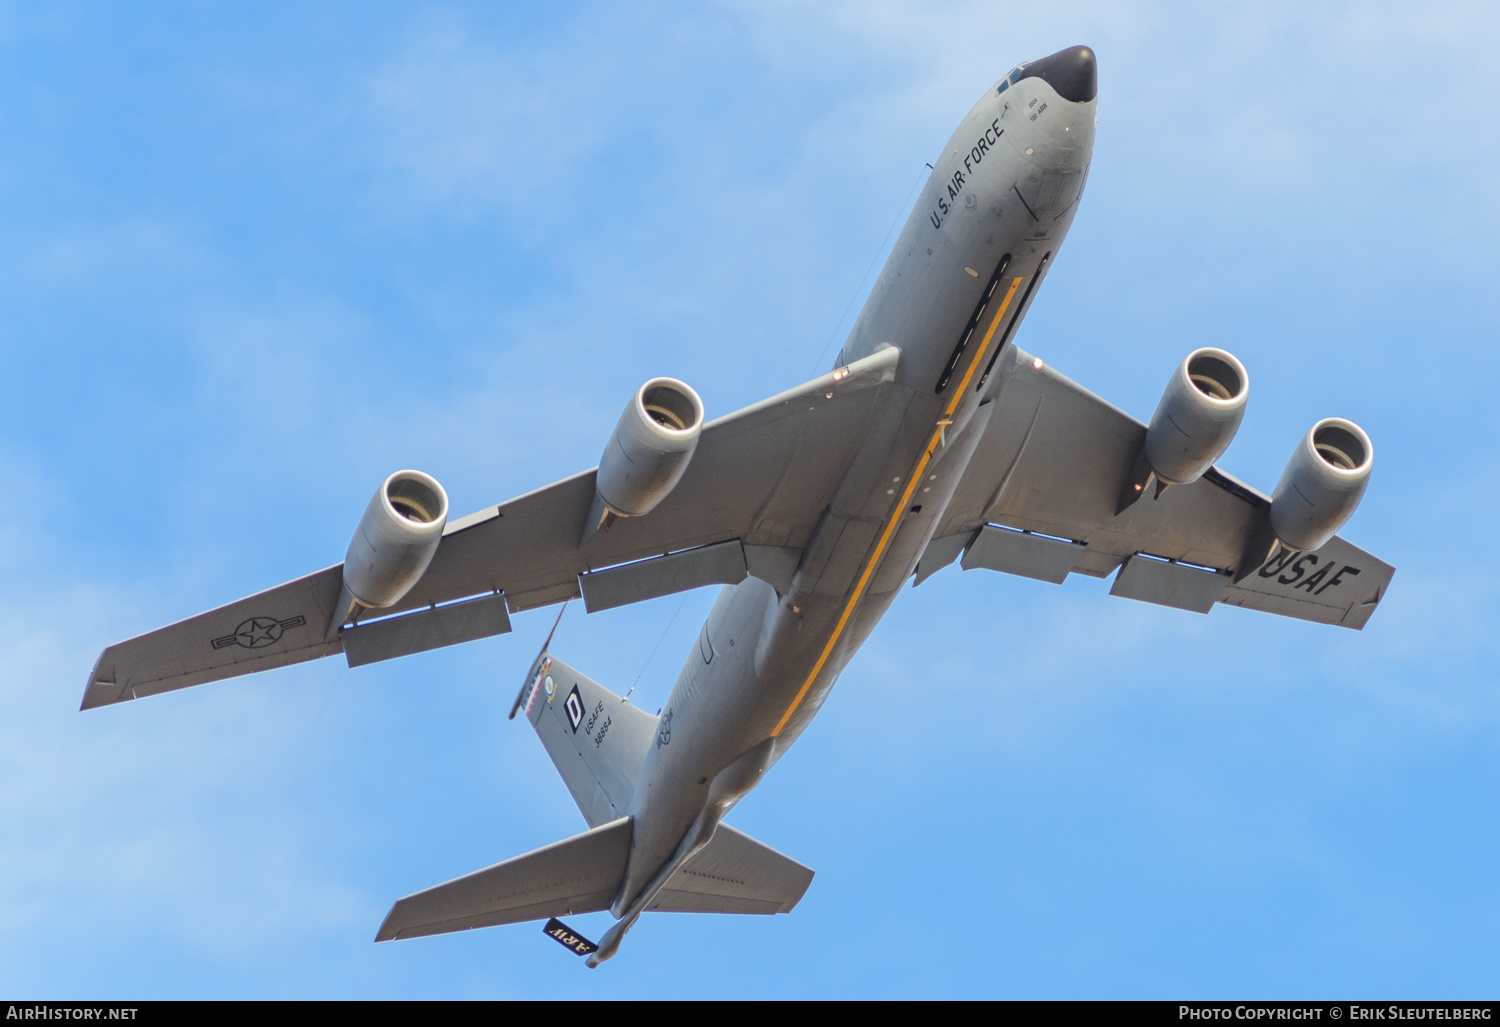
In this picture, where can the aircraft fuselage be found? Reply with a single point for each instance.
(961, 277)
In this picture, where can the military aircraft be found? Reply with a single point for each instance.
(933, 439)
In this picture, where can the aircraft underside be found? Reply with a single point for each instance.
(934, 439)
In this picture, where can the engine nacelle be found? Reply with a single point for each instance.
(395, 540)
(1197, 417)
(650, 449)
(1322, 484)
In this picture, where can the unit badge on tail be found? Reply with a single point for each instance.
(574, 707)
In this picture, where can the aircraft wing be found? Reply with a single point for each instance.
(750, 497)
(1040, 499)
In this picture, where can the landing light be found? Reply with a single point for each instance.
(1037, 363)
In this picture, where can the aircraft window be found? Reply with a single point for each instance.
(968, 333)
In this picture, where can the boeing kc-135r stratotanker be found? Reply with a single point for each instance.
(933, 439)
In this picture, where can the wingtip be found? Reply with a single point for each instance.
(95, 696)
(388, 931)
(101, 674)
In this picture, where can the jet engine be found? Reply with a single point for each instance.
(649, 450)
(1322, 484)
(1197, 417)
(395, 540)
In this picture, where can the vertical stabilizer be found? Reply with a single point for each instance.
(597, 740)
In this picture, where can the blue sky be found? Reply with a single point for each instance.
(253, 259)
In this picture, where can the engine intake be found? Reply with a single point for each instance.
(1322, 485)
(649, 450)
(395, 541)
(1197, 417)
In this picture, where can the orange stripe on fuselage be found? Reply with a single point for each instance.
(890, 528)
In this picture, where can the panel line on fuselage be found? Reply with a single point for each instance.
(973, 324)
(913, 480)
(1010, 328)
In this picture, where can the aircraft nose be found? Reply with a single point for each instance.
(1073, 72)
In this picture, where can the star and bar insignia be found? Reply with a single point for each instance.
(259, 632)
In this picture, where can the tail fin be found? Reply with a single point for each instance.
(734, 873)
(597, 740)
(578, 875)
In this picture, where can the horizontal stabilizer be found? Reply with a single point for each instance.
(577, 875)
(734, 873)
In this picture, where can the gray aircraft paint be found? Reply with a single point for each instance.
(933, 437)
(731, 719)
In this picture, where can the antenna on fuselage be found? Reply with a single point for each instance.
(659, 641)
(548, 644)
(521, 695)
(860, 288)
